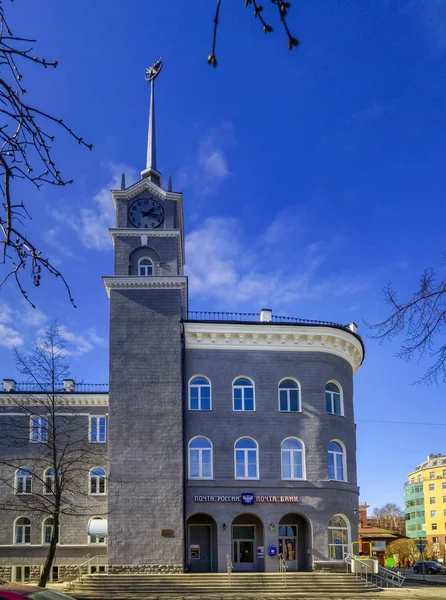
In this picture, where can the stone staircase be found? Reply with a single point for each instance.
(206, 585)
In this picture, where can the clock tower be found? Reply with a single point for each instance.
(148, 299)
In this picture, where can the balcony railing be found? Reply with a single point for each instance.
(201, 315)
(59, 388)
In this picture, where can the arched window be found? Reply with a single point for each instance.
(23, 481)
(336, 461)
(145, 266)
(246, 459)
(333, 399)
(289, 396)
(22, 531)
(47, 530)
(292, 454)
(97, 481)
(199, 393)
(200, 458)
(96, 539)
(337, 538)
(243, 394)
(48, 479)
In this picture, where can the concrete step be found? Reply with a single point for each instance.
(195, 585)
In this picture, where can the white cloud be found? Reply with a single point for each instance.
(210, 167)
(53, 238)
(222, 266)
(33, 317)
(9, 337)
(79, 344)
(92, 227)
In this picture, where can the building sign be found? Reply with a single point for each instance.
(272, 550)
(247, 498)
(253, 499)
(167, 533)
(260, 551)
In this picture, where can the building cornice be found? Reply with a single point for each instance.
(288, 338)
(127, 232)
(70, 399)
(147, 283)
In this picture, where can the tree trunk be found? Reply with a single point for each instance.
(45, 575)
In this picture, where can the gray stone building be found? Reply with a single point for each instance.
(225, 436)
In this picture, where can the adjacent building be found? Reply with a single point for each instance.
(225, 435)
(425, 502)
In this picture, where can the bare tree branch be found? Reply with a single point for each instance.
(25, 153)
(282, 6)
(421, 321)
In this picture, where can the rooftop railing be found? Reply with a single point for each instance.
(201, 315)
(62, 387)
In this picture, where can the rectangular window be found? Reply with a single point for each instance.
(444, 472)
(434, 526)
(21, 574)
(444, 512)
(432, 475)
(443, 485)
(433, 513)
(431, 487)
(419, 478)
(47, 533)
(98, 429)
(432, 500)
(435, 540)
(39, 430)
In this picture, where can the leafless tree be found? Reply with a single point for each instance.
(57, 464)
(389, 516)
(282, 8)
(26, 142)
(421, 320)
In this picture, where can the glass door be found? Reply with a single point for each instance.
(288, 545)
(243, 556)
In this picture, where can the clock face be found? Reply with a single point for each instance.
(146, 213)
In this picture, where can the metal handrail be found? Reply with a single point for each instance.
(350, 558)
(229, 567)
(282, 569)
(394, 577)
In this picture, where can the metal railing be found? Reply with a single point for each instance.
(36, 388)
(230, 568)
(384, 578)
(203, 315)
(282, 569)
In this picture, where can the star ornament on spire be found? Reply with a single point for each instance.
(153, 71)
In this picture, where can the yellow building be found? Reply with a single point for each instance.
(425, 502)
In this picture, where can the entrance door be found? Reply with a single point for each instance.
(288, 545)
(200, 548)
(243, 557)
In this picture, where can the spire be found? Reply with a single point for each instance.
(151, 171)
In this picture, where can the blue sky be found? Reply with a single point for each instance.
(311, 178)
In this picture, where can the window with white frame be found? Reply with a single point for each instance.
(336, 461)
(98, 429)
(434, 526)
(97, 481)
(444, 499)
(432, 500)
(432, 474)
(39, 429)
(22, 531)
(338, 545)
(199, 393)
(333, 399)
(145, 267)
(433, 513)
(47, 530)
(444, 472)
(289, 396)
(292, 458)
(243, 394)
(48, 481)
(96, 539)
(443, 485)
(23, 481)
(200, 458)
(431, 487)
(246, 459)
